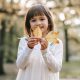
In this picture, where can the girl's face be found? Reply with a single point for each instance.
(40, 21)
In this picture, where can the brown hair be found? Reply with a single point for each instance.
(36, 10)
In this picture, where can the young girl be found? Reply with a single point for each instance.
(37, 58)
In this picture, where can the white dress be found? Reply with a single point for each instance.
(35, 66)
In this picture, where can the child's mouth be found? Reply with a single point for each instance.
(41, 27)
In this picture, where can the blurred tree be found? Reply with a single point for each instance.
(7, 8)
(2, 35)
(66, 43)
(10, 53)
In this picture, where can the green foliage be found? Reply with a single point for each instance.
(71, 70)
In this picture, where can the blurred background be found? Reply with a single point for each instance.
(66, 17)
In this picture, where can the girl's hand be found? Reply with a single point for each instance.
(32, 41)
(44, 43)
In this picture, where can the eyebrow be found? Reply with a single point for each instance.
(39, 16)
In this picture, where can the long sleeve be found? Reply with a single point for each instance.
(23, 54)
(53, 57)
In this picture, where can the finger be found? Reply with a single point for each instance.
(44, 45)
(36, 39)
(42, 40)
(32, 40)
(33, 43)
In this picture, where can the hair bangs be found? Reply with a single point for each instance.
(36, 11)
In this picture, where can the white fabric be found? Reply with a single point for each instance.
(35, 66)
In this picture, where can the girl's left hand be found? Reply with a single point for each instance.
(44, 43)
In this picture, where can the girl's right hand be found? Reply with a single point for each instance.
(32, 41)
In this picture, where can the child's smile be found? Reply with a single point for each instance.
(40, 21)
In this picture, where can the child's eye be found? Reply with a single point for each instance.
(33, 20)
(42, 19)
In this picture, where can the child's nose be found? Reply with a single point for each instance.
(38, 23)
